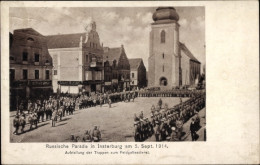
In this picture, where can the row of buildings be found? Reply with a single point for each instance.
(69, 63)
(75, 63)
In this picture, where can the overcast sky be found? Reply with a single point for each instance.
(128, 26)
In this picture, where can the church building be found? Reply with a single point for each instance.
(170, 62)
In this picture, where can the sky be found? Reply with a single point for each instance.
(129, 26)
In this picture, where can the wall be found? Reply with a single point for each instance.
(185, 66)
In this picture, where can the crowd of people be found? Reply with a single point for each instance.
(54, 108)
(167, 123)
(169, 93)
(164, 123)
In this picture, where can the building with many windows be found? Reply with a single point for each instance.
(137, 73)
(116, 69)
(30, 65)
(170, 62)
(77, 62)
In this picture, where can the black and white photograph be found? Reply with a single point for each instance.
(107, 74)
(130, 82)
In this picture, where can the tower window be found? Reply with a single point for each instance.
(163, 36)
(163, 55)
(163, 68)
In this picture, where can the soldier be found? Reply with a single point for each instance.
(193, 129)
(109, 102)
(22, 123)
(30, 120)
(136, 118)
(137, 131)
(163, 129)
(141, 116)
(54, 118)
(34, 118)
(87, 137)
(16, 124)
(101, 100)
(174, 136)
(152, 108)
(133, 96)
(157, 131)
(179, 127)
(60, 112)
(96, 135)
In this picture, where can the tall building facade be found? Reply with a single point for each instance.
(30, 65)
(168, 58)
(77, 61)
(116, 69)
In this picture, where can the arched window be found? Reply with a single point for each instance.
(163, 36)
(163, 81)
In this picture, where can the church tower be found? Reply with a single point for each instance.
(164, 58)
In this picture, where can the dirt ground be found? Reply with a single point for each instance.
(116, 123)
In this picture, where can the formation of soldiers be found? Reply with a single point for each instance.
(167, 123)
(54, 108)
(99, 99)
(89, 136)
(170, 93)
(44, 110)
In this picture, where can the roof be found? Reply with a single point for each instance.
(111, 54)
(30, 31)
(134, 62)
(65, 40)
(187, 52)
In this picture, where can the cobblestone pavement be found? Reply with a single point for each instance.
(116, 123)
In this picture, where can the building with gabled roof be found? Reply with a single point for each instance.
(116, 69)
(77, 61)
(30, 66)
(137, 73)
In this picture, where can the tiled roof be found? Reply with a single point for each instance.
(65, 40)
(111, 54)
(187, 52)
(135, 62)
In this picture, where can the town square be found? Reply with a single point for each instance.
(120, 75)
